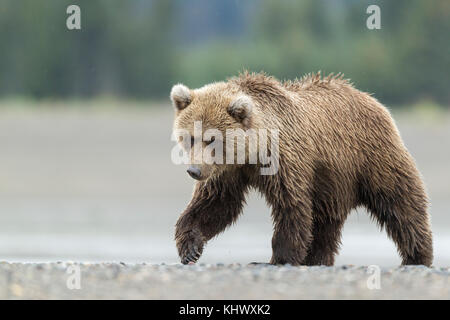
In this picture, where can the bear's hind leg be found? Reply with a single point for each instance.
(325, 244)
(402, 210)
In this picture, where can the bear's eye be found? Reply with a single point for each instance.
(210, 141)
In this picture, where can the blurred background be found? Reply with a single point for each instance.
(85, 119)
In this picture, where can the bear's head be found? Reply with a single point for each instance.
(206, 119)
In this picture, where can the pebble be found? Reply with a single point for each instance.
(219, 281)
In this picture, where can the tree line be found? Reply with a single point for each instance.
(139, 49)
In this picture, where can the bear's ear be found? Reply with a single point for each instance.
(180, 96)
(241, 109)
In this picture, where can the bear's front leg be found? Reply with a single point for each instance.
(292, 235)
(190, 245)
(214, 206)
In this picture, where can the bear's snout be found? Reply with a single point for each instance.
(194, 172)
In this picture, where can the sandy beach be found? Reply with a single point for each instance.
(219, 281)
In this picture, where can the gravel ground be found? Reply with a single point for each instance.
(219, 281)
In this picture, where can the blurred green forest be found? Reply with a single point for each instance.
(139, 49)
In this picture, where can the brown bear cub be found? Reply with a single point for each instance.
(338, 148)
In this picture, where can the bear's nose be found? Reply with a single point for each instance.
(194, 172)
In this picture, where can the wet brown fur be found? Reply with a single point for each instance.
(339, 149)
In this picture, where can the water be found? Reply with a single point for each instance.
(99, 185)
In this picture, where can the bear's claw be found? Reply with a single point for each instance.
(192, 254)
(191, 248)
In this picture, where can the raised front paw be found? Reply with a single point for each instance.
(190, 246)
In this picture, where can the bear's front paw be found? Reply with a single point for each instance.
(190, 246)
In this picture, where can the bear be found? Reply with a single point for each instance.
(338, 149)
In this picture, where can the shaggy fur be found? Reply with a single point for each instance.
(339, 149)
